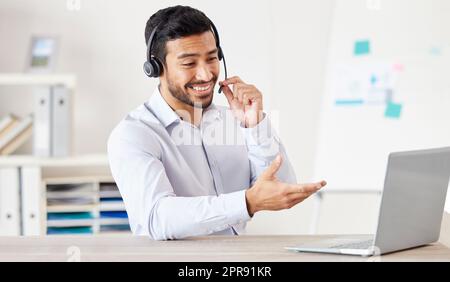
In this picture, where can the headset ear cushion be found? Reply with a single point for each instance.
(148, 69)
(156, 67)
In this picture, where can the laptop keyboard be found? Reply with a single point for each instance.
(357, 245)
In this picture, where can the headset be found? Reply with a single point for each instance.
(154, 68)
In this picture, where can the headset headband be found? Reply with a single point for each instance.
(150, 40)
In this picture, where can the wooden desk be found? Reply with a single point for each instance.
(213, 248)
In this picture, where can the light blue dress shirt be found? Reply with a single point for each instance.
(178, 180)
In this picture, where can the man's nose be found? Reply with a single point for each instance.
(203, 73)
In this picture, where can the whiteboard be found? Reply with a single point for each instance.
(387, 88)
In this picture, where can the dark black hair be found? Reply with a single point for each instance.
(174, 23)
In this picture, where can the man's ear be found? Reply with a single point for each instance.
(163, 79)
(164, 68)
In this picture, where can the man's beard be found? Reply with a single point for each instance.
(183, 96)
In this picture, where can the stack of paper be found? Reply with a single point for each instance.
(70, 208)
(70, 194)
(113, 217)
(70, 219)
(69, 230)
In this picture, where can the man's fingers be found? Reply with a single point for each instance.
(297, 200)
(249, 97)
(242, 92)
(237, 93)
(232, 80)
(270, 172)
(294, 200)
(228, 93)
(306, 188)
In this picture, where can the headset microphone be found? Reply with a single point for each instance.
(225, 68)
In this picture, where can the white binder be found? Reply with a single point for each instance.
(53, 122)
(9, 202)
(42, 146)
(32, 197)
(61, 122)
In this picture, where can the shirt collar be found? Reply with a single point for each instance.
(167, 115)
(161, 109)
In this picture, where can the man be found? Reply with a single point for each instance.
(184, 166)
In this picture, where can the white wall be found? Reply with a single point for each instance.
(103, 44)
(280, 46)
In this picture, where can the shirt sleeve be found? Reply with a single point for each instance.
(263, 145)
(153, 207)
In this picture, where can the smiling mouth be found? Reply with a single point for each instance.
(201, 89)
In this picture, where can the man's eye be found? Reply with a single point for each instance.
(189, 64)
(212, 59)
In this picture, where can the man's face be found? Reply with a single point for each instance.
(192, 69)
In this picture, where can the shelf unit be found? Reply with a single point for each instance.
(82, 205)
(23, 79)
(53, 110)
(38, 191)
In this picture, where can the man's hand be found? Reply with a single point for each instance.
(245, 101)
(268, 193)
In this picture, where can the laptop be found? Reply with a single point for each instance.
(411, 210)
